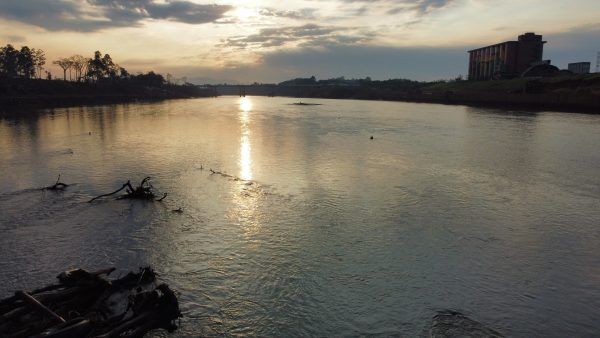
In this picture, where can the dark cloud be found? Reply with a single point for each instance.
(376, 61)
(304, 13)
(339, 60)
(305, 35)
(392, 7)
(574, 45)
(91, 15)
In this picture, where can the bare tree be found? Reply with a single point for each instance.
(65, 64)
(79, 64)
(39, 59)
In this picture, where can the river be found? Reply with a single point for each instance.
(316, 230)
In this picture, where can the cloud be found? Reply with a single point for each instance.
(92, 15)
(577, 44)
(304, 13)
(351, 61)
(393, 7)
(13, 38)
(308, 35)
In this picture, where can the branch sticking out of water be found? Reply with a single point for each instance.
(57, 186)
(144, 191)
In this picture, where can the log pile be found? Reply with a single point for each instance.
(86, 304)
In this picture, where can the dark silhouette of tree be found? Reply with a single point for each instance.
(150, 79)
(9, 61)
(110, 68)
(65, 64)
(79, 65)
(96, 67)
(123, 73)
(25, 63)
(39, 60)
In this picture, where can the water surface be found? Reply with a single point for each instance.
(318, 230)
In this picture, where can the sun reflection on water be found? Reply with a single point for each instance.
(247, 196)
(245, 149)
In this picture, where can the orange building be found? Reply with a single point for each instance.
(506, 59)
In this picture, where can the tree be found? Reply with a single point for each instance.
(96, 67)
(25, 63)
(39, 60)
(123, 73)
(110, 68)
(79, 64)
(150, 79)
(9, 61)
(65, 64)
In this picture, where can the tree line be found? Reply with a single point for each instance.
(25, 62)
(29, 63)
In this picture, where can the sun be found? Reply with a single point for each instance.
(246, 13)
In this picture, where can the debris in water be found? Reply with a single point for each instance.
(58, 186)
(305, 104)
(84, 304)
(144, 191)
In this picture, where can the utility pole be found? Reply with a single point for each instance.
(598, 63)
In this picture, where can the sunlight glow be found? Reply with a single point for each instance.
(246, 13)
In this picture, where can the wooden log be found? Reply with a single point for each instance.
(78, 327)
(128, 325)
(14, 313)
(39, 306)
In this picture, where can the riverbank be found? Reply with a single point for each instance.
(38, 93)
(574, 93)
(567, 93)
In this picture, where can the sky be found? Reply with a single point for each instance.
(273, 40)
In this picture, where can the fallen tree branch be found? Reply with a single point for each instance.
(57, 186)
(144, 191)
(128, 184)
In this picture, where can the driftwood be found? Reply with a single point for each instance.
(57, 186)
(85, 304)
(144, 191)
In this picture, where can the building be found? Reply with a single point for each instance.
(506, 59)
(580, 67)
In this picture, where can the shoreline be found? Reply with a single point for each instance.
(511, 105)
(534, 104)
(45, 102)
(531, 102)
